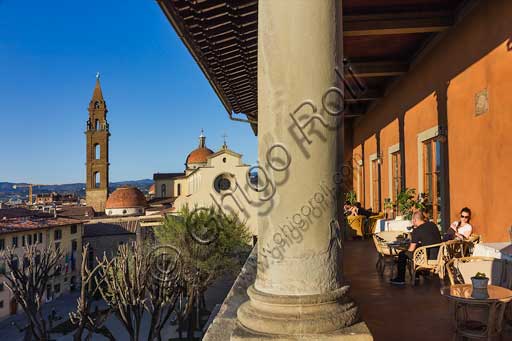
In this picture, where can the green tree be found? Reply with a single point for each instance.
(211, 245)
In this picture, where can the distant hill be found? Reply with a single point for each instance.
(7, 191)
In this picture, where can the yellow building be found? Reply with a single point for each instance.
(21, 230)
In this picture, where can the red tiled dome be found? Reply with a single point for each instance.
(199, 155)
(126, 197)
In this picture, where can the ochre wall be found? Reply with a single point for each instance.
(370, 148)
(419, 118)
(388, 138)
(474, 55)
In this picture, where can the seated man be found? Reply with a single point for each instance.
(424, 233)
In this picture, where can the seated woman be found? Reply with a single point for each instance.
(461, 229)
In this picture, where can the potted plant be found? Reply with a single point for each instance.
(479, 283)
(406, 202)
(351, 197)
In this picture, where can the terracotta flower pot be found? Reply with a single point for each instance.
(480, 287)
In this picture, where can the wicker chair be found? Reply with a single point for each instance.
(499, 271)
(420, 261)
(450, 250)
(356, 224)
(474, 238)
(386, 256)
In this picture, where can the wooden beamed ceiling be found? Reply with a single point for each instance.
(381, 38)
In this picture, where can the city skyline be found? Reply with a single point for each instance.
(150, 82)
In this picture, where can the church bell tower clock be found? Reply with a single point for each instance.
(97, 135)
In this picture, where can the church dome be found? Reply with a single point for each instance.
(199, 155)
(126, 197)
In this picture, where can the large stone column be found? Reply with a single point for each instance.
(299, 288)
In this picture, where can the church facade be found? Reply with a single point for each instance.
(211, 179)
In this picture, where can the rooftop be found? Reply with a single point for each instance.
(27, 223)
(126, 197)
(77, 212)
(108, 229)
(167, 176)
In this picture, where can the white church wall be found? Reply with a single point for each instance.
(205, 194)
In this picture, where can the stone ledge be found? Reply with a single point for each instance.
(225, 325)
(356, 332)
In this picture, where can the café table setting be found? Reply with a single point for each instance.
(393, 225)
(466, 299)
(400, 244)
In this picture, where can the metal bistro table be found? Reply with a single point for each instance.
(398, 245)
(464, 304)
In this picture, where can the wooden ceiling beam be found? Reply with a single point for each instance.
(365, 96)
(375, 69)
(396, 23)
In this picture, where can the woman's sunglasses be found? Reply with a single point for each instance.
(464, 216)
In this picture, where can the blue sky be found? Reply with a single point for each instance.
(158, 98)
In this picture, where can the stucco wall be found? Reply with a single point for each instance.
(474, 55)
(204, 193)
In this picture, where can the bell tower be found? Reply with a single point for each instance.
(97, 134)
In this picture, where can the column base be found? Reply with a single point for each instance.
(326, 316)
(356, 332)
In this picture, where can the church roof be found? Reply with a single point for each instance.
(97, 94)
(167, 176)
(126, 197)
(199, 155)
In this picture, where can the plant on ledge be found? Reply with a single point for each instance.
(406, 203)
(351, 197)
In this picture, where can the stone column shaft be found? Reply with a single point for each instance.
(299, 288)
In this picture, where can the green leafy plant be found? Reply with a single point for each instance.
(406, 202)
(480, 275)
(351, 197)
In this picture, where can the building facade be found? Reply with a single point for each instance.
(63, 233)
(97, 136)
(444, 128)
(211, 179)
